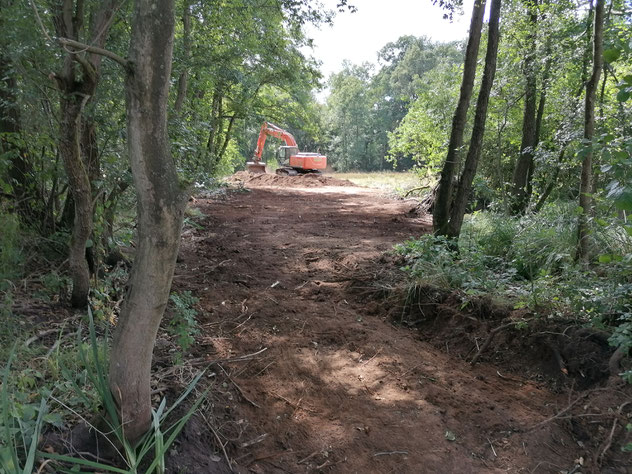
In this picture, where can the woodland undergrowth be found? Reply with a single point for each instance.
(529, 263)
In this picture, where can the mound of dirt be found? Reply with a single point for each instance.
(310, 180)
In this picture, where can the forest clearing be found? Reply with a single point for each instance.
(304, 236)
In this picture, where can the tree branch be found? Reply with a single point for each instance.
(93, 49)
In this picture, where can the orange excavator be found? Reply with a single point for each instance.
(294, 162)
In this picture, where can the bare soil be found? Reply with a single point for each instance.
(316, 373)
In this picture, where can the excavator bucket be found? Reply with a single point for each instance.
(256, 167)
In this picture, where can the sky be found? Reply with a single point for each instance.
(359, 36)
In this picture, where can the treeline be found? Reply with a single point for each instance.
(64, 164)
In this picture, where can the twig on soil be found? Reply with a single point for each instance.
(243, 322)
(219, 440)
(263, 370)
(374, 356)
(238, 388)
(307, 458)
(289, 402)
(559, 414)
(611, 436)
(388, 453)
(492, 446)
(257, 440)
(195, 363)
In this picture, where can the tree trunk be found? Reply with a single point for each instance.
(549, 188)
(524, 164)
(69, 146)
(184, 75)
(585, 187)
(74, 94)
(20, 173)
(227, 137)
(480, 117)
(444, 194)
(160, 211)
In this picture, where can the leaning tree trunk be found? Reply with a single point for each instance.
(585, 187)
(480, 117)
(160, 212)
(444, 193)
(524, 165)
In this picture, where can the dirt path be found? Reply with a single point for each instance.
(338, 388)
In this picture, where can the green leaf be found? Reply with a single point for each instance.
(624, 200)
(623, 95)
(605, 258)
(611, 54)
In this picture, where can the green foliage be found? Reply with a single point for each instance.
(182, 323)
(529, 262)
(26, 399)
(11, 255)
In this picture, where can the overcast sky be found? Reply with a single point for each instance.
(359, 36)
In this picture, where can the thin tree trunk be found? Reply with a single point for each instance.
(549, 188)
(210, 144)
(20, 171)
(585, 187)
(524, 164)
(227, 137)
(69, 147)
(160, 211)
(480, 117)
(443, 202)
(184, 75)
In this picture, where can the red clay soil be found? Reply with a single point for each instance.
(333, 385)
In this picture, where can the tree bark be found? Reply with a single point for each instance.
(160, 211)
(524, 164)
(585, 187)
(184, 75)
(20, 173)
(74, 93)
(480, 117)
(444, 194)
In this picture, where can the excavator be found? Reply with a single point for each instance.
(295, 162)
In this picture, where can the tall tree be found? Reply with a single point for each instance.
(444, 193)
(586, 183)
(524, 165)
(480, 117)
(161, 203)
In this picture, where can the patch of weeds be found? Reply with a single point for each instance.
(54, 286)
(27, 397)
(182, 324)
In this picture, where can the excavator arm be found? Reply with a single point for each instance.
(270, 129)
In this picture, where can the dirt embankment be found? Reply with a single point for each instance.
(329, 383)
(309, 180)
